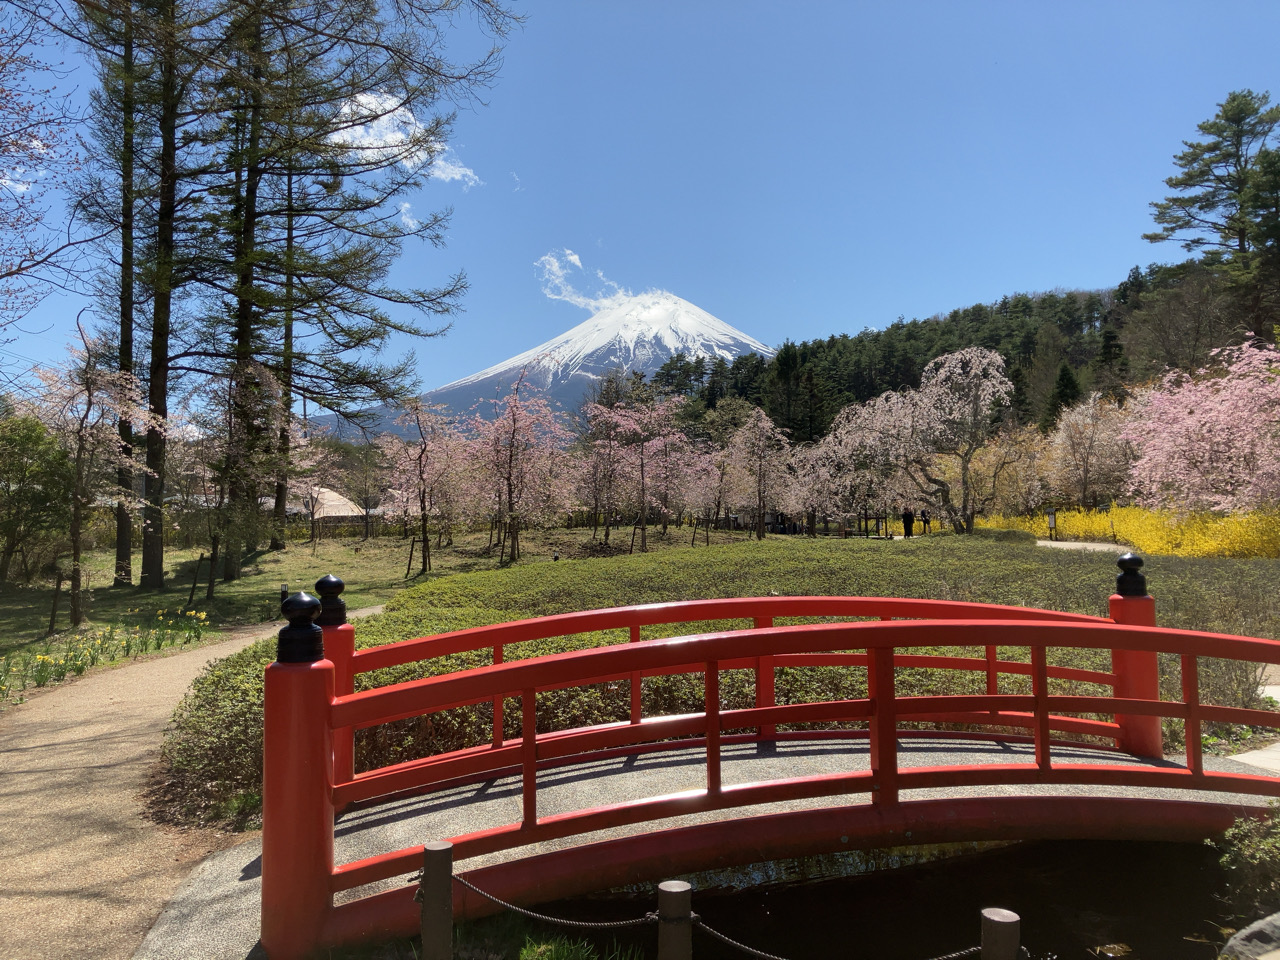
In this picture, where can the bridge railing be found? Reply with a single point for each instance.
(311, 709)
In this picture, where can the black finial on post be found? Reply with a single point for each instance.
(333, 609)
(302, 641)
(1130, 582)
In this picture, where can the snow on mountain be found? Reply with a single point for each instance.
(633, 333)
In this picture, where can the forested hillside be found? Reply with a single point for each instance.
(1057, 346)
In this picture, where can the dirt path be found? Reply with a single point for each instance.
(1115, 548)
(83, 873)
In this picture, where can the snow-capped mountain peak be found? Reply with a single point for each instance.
(634, 332)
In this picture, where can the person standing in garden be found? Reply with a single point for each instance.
(908, 521)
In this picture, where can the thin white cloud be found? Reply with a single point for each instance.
(378, 125)
(447, 167)
(556, 271)
(407, 218)
(519, 187)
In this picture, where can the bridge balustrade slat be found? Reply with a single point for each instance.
(1191, 723)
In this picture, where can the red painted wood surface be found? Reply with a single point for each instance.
(902, 635)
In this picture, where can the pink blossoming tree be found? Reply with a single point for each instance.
(1211, 441)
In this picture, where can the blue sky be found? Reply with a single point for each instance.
(812, 168)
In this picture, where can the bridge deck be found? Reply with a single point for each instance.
(216, 913)
(448, 813)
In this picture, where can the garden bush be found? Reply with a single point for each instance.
(1182, 534)
(1250, 858)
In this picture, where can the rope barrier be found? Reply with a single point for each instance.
(960, 954)
(580, 924)
(734, 943)
(652, 917)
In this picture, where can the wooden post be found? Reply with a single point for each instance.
(884, 727)
(53, 612)
(1000, 934)
(435, 893)
(195, 579)
(675, 920)
(1137, 672)
(339, 648)
(297, 812)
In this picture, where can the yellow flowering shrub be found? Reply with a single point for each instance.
(1255, 534)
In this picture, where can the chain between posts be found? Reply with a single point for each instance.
(697, 922)
(652, 917)
(581, 924)
(1023, 954)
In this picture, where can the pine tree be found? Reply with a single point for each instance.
(1066, 394)
(1210, 208)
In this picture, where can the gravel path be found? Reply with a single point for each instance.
(83, 872)
(1115, 548)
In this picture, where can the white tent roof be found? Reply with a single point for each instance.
(329, 503)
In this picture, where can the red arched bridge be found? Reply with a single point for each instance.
(1042, 782)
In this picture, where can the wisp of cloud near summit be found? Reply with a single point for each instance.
(555, 271)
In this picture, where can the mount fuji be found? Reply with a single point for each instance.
(632, 333)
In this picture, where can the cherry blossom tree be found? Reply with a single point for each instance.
(426, 462)
(811, 489)
(602, 467)
(1025, 485)
(1211, 440)
(704, 486)
(759, 451)
(81, 402)
(850, 465)
(652, 454)
(1089, 456)
(520, 455)
(931, 438)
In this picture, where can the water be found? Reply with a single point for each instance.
(1078, 900)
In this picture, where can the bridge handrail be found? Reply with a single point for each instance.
(690, 611)
(396, 701)
(883, 712)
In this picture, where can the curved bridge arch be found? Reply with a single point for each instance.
(311, 712)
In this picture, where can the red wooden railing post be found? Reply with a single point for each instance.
(339, 648)
(529, 756)
(765, 683)
(884, 727)
(711, 705)
(637, 692)
(499, 737)
(297, 810)
(1137, 672)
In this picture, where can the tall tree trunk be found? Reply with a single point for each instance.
(124, 475)
(162, 308)
(247, 395)
(280, 509)
(215, 544)
(644, 506)
(426, 537)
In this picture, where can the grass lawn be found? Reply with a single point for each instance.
(374, 571)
